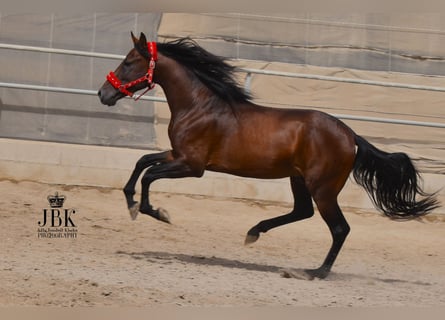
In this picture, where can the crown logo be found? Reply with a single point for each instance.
(56, 201)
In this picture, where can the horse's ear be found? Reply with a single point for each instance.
(142, 40)
(135, 40)
(141, 45)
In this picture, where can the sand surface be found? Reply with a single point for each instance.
(200, 259)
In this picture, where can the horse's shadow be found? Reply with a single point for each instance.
(167, 258)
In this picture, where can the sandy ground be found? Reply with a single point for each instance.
(200, 259)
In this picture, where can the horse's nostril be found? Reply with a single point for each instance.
(99, 93)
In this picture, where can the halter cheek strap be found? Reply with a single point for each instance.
(117, 83)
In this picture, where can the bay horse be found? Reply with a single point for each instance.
(215, 126)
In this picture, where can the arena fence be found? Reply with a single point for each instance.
(248, 78)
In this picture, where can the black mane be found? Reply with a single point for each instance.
(213, 71)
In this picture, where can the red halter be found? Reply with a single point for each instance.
(116, 83)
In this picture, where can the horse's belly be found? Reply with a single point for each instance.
(254, 167)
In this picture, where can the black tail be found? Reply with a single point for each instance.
(391, 181)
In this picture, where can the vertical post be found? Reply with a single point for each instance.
(247, 82)
(390, 35)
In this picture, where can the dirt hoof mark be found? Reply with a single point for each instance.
(296, 274)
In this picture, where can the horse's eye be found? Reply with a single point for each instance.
(127, 62)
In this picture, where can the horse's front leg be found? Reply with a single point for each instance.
(177, 168)
(143, 163)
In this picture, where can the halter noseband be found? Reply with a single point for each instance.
(117, 84)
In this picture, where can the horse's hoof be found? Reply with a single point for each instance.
(296, 274)
(159, 214)
(250, 238)
(134, 210)
(320, 273)
(163, 215)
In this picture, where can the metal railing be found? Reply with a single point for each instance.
(249, 73)
(340, 79)
(67, 90)
(89, 54)
(246, 70)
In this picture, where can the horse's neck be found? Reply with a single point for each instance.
(176, 84)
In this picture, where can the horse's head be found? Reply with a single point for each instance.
(134, 73)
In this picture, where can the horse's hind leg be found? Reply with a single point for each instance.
(333, 216)
(143, 163)
(303, 209)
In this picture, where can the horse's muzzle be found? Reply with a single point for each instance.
(106, 98)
